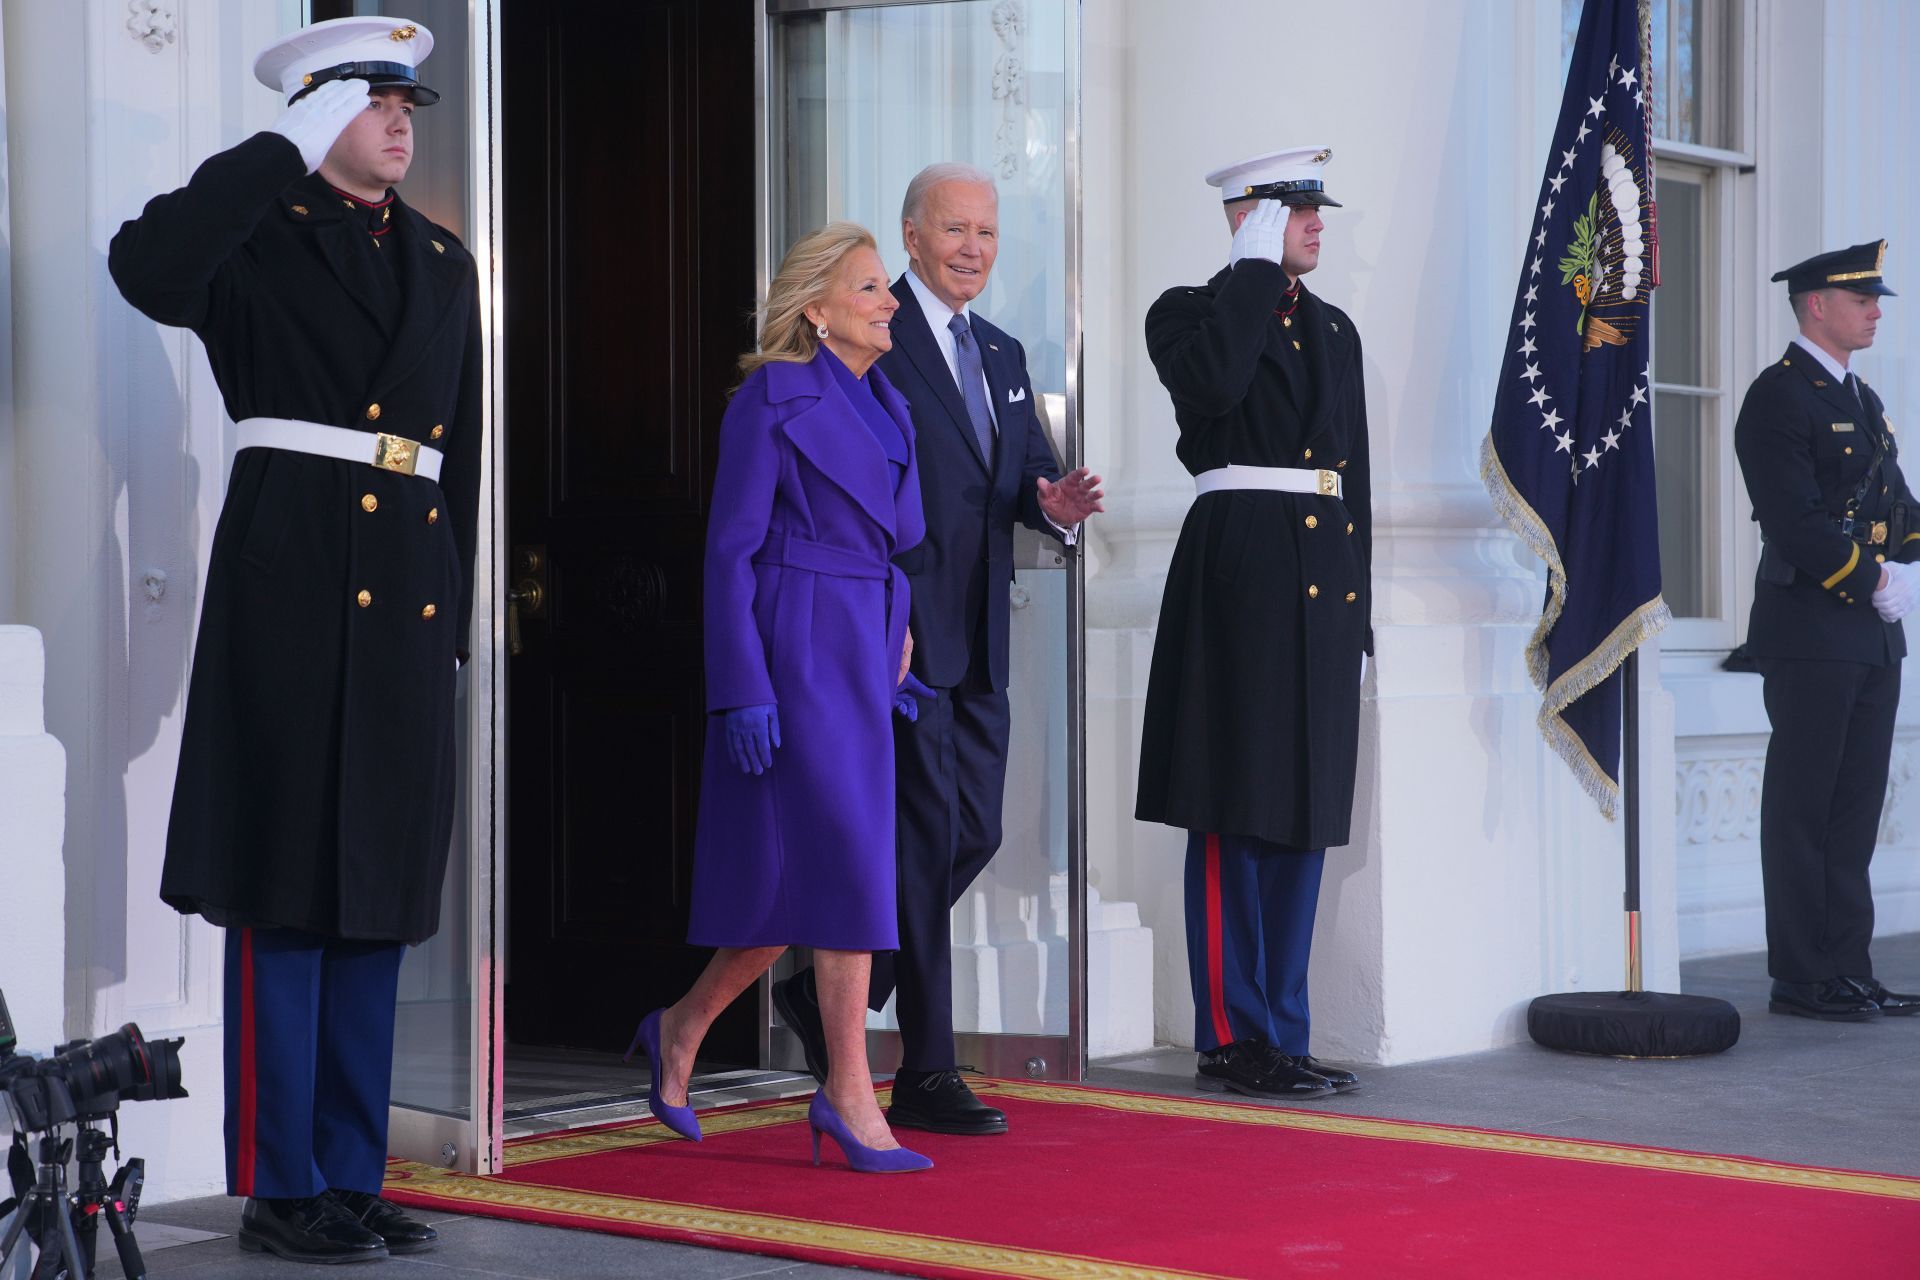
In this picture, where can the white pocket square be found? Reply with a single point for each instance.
(1016, 395)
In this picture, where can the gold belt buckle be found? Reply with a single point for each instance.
(1879, 532)
(1329, 482)
(395, 453)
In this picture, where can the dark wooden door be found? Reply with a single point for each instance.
(629, 266)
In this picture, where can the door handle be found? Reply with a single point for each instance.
(528, 595)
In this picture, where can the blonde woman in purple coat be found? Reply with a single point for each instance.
(806, 657)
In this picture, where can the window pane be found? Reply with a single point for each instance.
(1684, 467)
(1678, 304)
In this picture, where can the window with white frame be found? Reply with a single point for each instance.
(1698, 51)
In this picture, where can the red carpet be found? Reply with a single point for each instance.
(1095, 1183)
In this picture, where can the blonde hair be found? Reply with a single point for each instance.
(806, 276)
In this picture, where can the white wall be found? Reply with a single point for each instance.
(120, 461)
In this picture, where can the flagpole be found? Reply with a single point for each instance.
(1630, 785)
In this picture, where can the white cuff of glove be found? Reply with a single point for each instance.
(316, 122)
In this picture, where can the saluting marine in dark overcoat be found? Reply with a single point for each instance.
(316, 780)
(1253, 698)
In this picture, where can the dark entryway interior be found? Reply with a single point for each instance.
(629, 237)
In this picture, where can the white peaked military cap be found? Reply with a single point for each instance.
(1291, 176)
(381, 51)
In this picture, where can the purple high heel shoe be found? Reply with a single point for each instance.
(679, 1119)
(822, 1118)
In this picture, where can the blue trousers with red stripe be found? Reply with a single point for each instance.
(309, 1048)
(1250, 908)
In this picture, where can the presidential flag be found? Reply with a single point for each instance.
(1569, 457)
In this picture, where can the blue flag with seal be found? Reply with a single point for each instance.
(1569, 457)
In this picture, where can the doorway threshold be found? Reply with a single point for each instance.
(550, 1089)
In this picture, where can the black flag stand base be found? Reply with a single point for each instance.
(1634, 1023)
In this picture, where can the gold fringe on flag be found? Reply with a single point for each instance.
(1640, 625)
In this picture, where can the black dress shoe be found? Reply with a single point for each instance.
(1892, 1003)
(1834, 1000)
(1341, 1077)
(310, 1229)
(1258, 1070)
(800, 1010)
(1278, 1061)
(940, 1102)
(388, 1221)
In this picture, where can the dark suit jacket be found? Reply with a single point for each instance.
(1804, 445)
(961, 572)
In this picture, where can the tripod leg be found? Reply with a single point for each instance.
(130, 1260)
(62, 1241)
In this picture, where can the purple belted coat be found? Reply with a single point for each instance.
(804, 609)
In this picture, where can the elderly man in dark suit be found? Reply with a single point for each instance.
(1821, 465)
(985, 463)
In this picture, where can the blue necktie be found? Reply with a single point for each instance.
(973, 385)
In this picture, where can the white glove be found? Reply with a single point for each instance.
(1896, 600)
(1263, 234)
(316, 122)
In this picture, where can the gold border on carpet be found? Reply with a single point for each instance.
(765, 1229)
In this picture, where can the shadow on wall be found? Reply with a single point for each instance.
(148, 568)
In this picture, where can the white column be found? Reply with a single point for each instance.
(120, 462)
(32, 790)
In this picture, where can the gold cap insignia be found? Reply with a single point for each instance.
(1325, 155)
(407, 32)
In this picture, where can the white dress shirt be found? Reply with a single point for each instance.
(1827, 362)
(939, 315)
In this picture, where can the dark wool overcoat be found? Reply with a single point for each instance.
(1253, 699)
(316, 778)
(805, 609)
(1805, 446)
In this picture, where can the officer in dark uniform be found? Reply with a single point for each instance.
(1253, 699)
(1821, 464)
(313, 805)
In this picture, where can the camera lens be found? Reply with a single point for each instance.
(122, 1064)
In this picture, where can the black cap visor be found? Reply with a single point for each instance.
(379, 75)
(1297, 191)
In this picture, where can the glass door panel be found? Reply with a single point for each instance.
(447, 1097)
(860, 99)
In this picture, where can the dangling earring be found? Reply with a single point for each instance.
(822, 331)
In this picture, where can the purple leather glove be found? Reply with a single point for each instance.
(903, 697)
(752, 734)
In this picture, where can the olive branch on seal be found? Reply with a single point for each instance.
(1576, 268)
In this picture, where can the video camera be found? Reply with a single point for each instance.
(82, 1084)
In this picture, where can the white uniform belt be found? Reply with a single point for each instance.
(1280, 479)
(387, 452)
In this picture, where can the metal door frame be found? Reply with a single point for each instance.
(1048, 1056)
(473, 1143)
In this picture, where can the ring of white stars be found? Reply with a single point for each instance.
(1539, 397)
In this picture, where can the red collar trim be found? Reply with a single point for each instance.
(363, 203)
